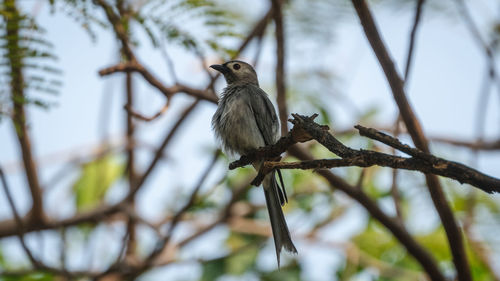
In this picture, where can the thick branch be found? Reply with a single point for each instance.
(450, 225)
(420, 161)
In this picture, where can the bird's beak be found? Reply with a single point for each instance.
(221, 68)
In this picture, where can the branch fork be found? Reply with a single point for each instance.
(306, 129)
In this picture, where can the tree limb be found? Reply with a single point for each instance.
(423, 257)
(450, 225)
(420, 161)
(280, 64)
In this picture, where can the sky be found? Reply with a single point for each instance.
(443, 90)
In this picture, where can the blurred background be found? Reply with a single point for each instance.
(111, 170)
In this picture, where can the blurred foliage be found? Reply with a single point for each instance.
(41, 276)
(33, 276)
(387, 249)
(175, 22)
(26, 58)
(95, 180)
(244, 250)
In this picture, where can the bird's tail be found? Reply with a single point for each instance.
(274, 199)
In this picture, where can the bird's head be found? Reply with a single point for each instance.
(236, 71)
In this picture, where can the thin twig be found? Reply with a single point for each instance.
(151, 118)
(396, 197)
(413, 33)
(280, 65)
(168, 92)
(20, 228)
(118, 28)
(141, 179)
(168, 60)
(474, 30)
(132, 174)
(164, 242)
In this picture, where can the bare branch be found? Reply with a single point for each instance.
(396, 197)
(118, 28)
(140, 181)
(20, 228)
(145, 118)
(132, 174)
(413, 33)
(489, 52)
(168, 60)
(168, 92)
(280, 65)
(415, 130)
(164, 242)
(420, 161)
(9, 227)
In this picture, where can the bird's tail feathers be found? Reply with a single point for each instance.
(274, 199)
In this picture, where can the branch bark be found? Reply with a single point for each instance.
(306, 129)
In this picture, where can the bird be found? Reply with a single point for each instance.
(245, 120)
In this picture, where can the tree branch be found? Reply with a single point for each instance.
(119, 29)
(420, 161)
(450, 225)
(413, 33)
(9, 227)
(424, 258)
(17, 88)
(280, 65)
(17, 218)
(146, 118)
(168, 92)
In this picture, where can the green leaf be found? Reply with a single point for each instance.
(39, 276)
(369, 115)
(380, 244)
(212, 269)
(288, 273)
(240, 262)
(96, 178)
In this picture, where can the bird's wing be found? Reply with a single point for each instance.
(268, 124)
(264, 114)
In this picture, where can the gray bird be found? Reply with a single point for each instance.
(245, 120)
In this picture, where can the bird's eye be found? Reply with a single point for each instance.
(236, 66)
